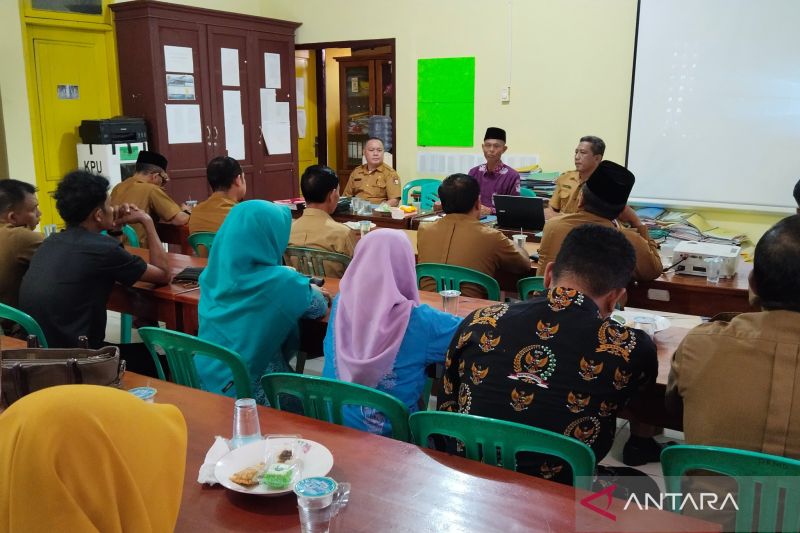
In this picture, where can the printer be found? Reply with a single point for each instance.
(689, 258)
(111, 146)
(115, 130)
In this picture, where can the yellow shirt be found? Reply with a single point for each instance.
(316, 229)
(149, 198)
(17, 246)
(648, 262)
(461, 240)
(377, 186)
(209, 215)
(567, 194)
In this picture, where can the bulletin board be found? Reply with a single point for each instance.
(446, 101)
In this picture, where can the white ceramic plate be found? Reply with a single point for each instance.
(316, 460)
(352, 224)
(629, 318)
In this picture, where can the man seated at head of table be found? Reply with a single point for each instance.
(494, 176)
(379, 335)
(229, 188)
(375, 180)
(737, 380)
(566, 195)
(315, 228)
(460, 239)
(603, 202)
(70, 277)
(19, 216)
(90, 458)
(556, 361)
(145, 190)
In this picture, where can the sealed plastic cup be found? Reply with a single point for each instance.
(713, 268)
(246, 428)
(364, 227)
(450, 301)
(319, 499)
(646, 324)
(519, 240)
(666, 250)
(397, 213)
(145, 393)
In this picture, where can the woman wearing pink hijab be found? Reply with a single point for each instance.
(379, 335)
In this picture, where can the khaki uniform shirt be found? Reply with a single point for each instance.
(740, 383)
(567, 194)
(316, 229)
(648, 262)
(17, 246)
(461, 240)
(209, 215)
(377, 186)
(149, 198)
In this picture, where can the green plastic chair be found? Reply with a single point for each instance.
(526, 286)
(451, 277)
(126, 320)
(311, 261)
(25, 320)
(202, 238)
(418, 183)
(479, 433)
(181, 348)
(529, 193)
(323, 399)
(771, 472)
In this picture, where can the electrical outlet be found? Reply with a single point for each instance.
(505, 94)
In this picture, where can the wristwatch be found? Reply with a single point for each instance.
(187, 212)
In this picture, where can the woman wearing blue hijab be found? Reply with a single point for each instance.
(249, 301)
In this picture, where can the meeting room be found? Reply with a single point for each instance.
(328, 265)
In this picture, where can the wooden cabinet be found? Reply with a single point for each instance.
(366, 88)
(207, 51)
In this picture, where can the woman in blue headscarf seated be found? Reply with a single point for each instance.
(249, 301)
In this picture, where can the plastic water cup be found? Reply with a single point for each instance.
(666, 252)
(246, 428)
(319, 499)
(646, 324)
(519, 240)
(713, 269)
(450, 301)
(190, 203)
(364, 227)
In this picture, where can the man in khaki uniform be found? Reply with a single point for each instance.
(604, 199)
(144, 190)
(460, 239)
(375, 181)
(19, 215)
(229, 188)
(316, 228)
(588, 155)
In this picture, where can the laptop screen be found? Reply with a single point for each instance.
(519, 212)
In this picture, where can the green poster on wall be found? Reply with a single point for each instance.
(445, 101)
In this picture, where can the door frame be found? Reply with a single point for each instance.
(318, 47)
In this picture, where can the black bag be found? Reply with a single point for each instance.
(188, 275)
(27, 370)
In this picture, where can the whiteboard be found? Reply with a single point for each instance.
(715, 111)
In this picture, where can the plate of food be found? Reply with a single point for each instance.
(628, 318)
(272, 466)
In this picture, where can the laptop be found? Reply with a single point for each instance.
(519, 212)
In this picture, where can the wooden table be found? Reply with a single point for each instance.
(380, 220)
(152, 302)
(395, 485)
(175, 235)
(11, 343)
(693, 295)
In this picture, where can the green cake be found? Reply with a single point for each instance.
(278, 476)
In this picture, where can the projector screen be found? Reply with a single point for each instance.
(715, 111)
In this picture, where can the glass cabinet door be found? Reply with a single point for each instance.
(358, 106)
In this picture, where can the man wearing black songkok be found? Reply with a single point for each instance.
(494, 176)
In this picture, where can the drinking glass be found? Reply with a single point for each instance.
(646, 324)
(319, 499)
(246, 428)
(713, 269)
(450, 301)
(364, 227)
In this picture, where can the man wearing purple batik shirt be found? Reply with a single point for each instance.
(494, 176)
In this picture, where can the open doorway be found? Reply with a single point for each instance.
(354, 86)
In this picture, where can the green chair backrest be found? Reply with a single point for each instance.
(429, 195)
(323, 399)
(524, 191)
(418, 183)
(771, 473)
(480, 434)
(126, 320)
(527, 285)
(181, 348)
(311, 261)
(25, 320)
(451, 277)
(201, 238)
(130, 235)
